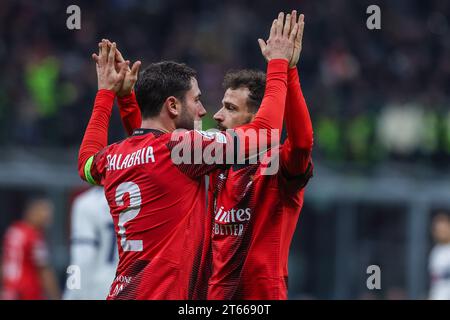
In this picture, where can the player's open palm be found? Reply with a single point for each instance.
(107, 75)
(280, 44)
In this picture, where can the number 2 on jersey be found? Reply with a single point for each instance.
(128, 213)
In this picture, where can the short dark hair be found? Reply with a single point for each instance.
(159, 81)
(254, 80)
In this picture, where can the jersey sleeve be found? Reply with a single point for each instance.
(129, 112)
(91, 156)
(95, 168)
(290, 186)
(295, 158)
(268, 121)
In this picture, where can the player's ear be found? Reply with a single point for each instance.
(173, 106)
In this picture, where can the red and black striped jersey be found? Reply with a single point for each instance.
(159, 213)
(253, 219)
(254, 209)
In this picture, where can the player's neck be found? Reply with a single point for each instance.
(29, 221)
(158, 123)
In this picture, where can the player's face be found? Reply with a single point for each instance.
(441, 229)
(43, 213)
(234, 111)
(192, 109)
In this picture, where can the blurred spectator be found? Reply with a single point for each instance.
(27, 274)
(93, 246)
(439, 263)
(401, 129)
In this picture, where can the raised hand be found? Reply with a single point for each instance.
(280, 44)
(131, 75)
(298, 38)
(107, 76)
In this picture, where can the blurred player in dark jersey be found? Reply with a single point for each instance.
(254, 215)
(157, 205)
(27, 274)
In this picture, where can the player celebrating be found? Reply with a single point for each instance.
(255, 215)
(93, 239)
(158, 206)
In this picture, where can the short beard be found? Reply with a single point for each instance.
(185, 120)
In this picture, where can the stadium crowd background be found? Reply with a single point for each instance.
(378, 99)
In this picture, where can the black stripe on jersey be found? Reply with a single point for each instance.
(305, 177)
(85, 241)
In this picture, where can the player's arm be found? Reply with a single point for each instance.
(126, 98)
(129, 112)
(296, 153)
(96, 134)
(278, 52)
(270, 114)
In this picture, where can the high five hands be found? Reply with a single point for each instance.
(113, 71)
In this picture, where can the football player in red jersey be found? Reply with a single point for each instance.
(27, 274)
(157, 205)
(254, 215)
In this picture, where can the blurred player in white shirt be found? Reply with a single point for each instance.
(439, 263)
(93, 246)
